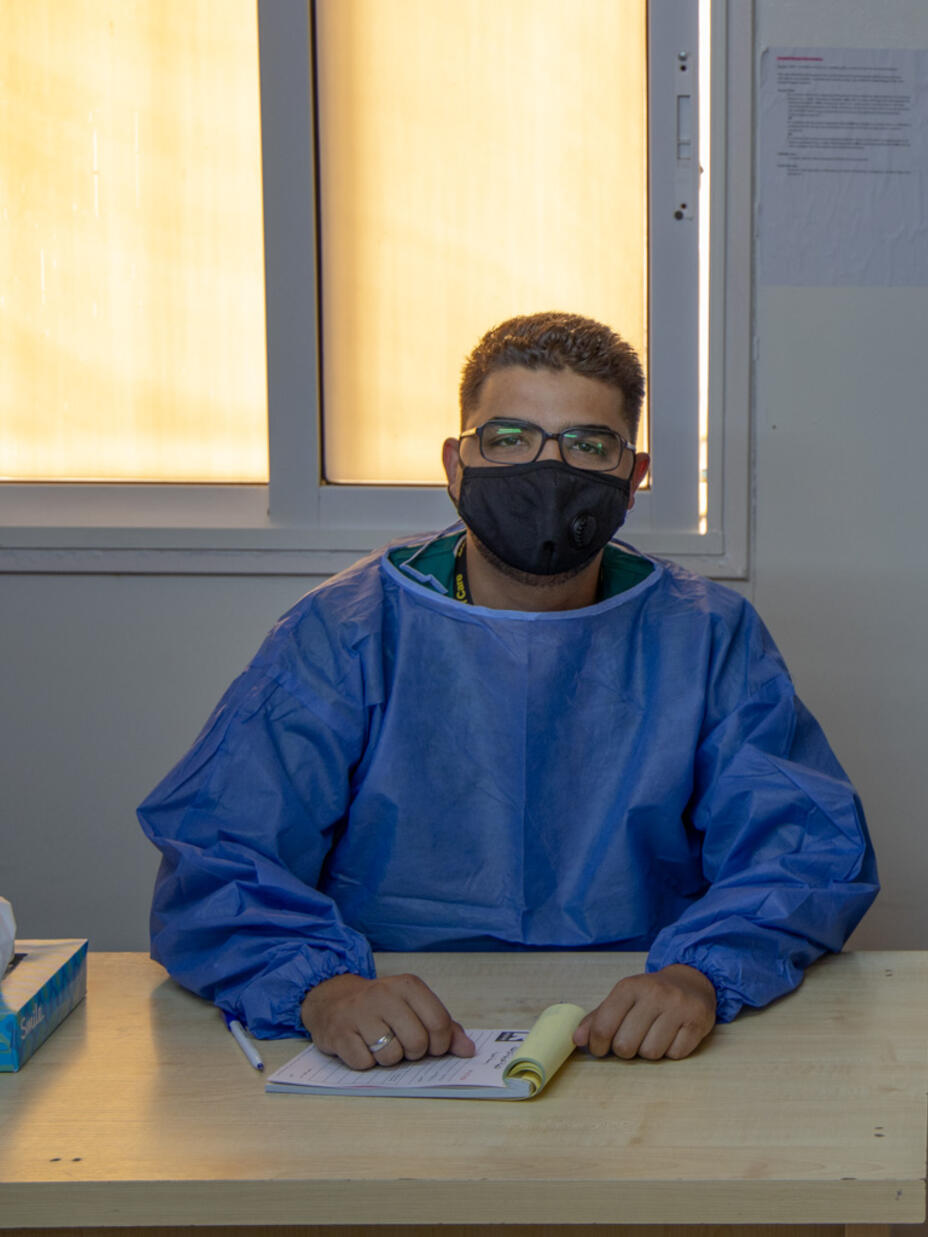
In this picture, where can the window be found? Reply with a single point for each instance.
(132, 246)
(508, 174)
(296, 523)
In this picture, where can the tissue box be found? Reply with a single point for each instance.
(43, 983)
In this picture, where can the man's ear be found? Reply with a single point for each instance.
(640, 471)
(451, 458)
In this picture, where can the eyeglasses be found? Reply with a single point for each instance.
(587, 447)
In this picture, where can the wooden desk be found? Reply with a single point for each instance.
(141, 1110)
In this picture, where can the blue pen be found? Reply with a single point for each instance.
(238, 1034)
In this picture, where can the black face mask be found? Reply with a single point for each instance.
(545, 517)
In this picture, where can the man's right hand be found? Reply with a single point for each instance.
(346, 1013)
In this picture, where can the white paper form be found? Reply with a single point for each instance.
(843, 166)
(484, 1069)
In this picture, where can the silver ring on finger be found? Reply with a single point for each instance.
(381, 1043)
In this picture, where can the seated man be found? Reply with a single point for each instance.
(517, 734)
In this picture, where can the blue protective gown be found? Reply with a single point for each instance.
(400, 771)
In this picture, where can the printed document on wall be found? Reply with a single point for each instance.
(843, 166)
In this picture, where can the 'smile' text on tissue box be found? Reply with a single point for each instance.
(45, 981)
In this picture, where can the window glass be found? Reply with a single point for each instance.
(477, 160)
(132, 305)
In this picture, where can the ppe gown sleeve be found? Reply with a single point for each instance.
(790, 866)
(244, 823)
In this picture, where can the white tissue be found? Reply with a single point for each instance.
(7, 934)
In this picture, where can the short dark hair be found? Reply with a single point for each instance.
(554, 340)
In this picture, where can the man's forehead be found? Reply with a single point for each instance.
(549, 396)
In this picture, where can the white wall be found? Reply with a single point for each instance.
(840, 565)
(104, 681)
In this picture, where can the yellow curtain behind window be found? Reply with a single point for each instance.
(479, 158)
(132, 295)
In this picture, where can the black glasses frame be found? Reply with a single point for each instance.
(624, 444)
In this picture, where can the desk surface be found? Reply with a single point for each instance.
(141, 1109)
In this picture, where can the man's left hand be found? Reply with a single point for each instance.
(665, 1014)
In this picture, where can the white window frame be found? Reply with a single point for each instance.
(296, 524)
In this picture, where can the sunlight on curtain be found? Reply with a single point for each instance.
(478, 159)
(132, 340)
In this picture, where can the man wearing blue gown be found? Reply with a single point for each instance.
(516, 734)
